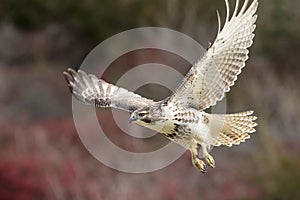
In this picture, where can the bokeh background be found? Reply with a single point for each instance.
(42, 156)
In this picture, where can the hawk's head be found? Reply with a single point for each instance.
(146, 116)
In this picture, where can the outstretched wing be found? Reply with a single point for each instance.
(212, 75)
(91, 90)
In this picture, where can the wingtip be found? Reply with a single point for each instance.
(69, 75)
(65, 73)
(72, 72)
(219, 22)
(227, 11)
(250, 112)
(69, 78)
(82, 73)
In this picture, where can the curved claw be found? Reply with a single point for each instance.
(210, 160)
(200, 165)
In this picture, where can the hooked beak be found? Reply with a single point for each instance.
(132, 118)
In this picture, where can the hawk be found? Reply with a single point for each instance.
(181, 116)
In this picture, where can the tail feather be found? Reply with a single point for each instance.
(236, 128)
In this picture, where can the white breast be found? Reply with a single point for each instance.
(192, 118)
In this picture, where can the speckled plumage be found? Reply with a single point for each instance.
(180, 117)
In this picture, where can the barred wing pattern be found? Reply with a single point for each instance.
(211, 76)
(91, 90)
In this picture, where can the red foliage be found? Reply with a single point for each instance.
(46, 160)
(22, 179)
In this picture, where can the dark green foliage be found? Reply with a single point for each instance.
(279, 33)
(100, 19)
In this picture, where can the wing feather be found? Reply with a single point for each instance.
(91, 90)
(214, 74)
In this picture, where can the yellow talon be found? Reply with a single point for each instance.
(210, 160)
(200, 165)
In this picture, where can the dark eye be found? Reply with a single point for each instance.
(141, 114)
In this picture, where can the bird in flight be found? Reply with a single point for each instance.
(181, 116)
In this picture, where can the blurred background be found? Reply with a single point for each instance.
(42, 156)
